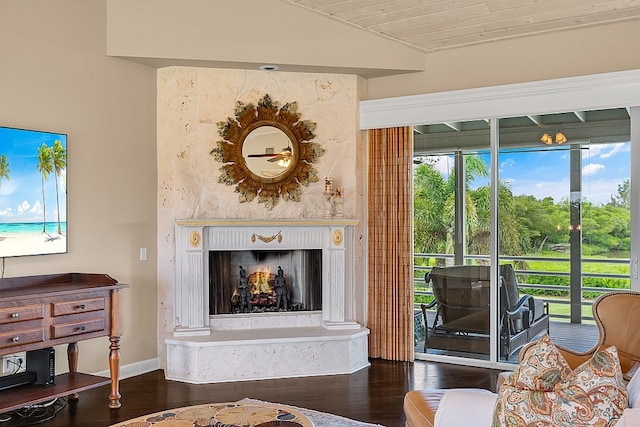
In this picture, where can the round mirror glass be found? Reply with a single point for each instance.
(267, 151)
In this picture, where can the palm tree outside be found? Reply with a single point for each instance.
(434, 210)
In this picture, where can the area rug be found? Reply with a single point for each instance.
(243, 413)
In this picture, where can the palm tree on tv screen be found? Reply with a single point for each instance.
(4, 168)
(45, 167)
(59, 164)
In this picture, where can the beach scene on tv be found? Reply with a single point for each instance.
(33, 192)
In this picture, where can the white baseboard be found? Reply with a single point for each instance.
(133, 369)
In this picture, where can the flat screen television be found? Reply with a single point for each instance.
(33, 192)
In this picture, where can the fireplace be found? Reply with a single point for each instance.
(265, 281)
(231, 322)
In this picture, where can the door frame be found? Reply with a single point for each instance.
(601, 91)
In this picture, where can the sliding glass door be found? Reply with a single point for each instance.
(451, 245)
(557, 194)
(567, 179)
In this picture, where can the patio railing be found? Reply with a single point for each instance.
(558, 296)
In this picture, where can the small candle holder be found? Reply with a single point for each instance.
(328, 185)
(328, 195)
(334, 201)
(328, 206)
(338, 203)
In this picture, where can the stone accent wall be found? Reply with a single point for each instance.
(190, 103)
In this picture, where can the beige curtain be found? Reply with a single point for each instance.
(390, 262)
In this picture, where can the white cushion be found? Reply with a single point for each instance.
(478, 407)
(633, 390)
(462, 407)
(631, 417)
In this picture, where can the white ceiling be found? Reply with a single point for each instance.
(431, 25)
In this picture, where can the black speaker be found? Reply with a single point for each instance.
(42, 363)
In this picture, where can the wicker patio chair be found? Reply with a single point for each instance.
(462, 319)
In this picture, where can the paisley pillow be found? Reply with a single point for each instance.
(544, 391)
(541, 368)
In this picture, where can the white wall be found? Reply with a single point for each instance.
(246, 33)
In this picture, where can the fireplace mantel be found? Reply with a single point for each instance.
(323, 222)
(325, 335)
(195, 238)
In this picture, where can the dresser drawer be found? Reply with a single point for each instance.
(78, 306)
(19, 314)
(16, 338)
(77, 328)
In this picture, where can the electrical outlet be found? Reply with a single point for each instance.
(13, 363)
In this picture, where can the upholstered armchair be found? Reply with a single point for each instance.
(617, 315)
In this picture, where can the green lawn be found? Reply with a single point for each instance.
(565, 309)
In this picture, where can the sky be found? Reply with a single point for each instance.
(21, 195)
(546, 173)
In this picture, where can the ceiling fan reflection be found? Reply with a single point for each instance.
(283, 158)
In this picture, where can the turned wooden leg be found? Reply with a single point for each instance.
(72, 360)
(114, 367)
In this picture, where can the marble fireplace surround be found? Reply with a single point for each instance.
(252, 346)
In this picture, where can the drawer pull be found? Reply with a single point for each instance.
(15, 315)
(82, 328)
(82, 306)
(16, 339)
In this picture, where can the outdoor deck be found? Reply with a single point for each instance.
(579, 337)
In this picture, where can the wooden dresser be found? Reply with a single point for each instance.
(48, 310)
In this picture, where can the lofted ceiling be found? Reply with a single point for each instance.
(431, 25)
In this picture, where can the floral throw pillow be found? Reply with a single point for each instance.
(544, 391)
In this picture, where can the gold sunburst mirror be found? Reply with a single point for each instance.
(267, 152)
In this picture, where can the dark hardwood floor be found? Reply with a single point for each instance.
(373, 394)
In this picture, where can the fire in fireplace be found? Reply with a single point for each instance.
(265, 281)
